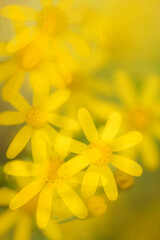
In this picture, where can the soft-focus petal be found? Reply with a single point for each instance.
(16, 12)
(112, 126)
(78, 44)
(57, 99)
(77, 164)
(126, 141)
(65, 4)
(44, 207)
(110, 188)
(72, 201)
(87, 125)
(23, 229)
(11, 118)
(21, 168)
(7, 220)
(150, 153)
(127, 165)
(62, 122)
(26, 194)
(90, 182)
(46, 3)
(5, 196)
(53, 231)
(22, 39)
(19, 142)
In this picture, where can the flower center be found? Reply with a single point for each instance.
(140, 118)
(105, 152)
(35, 117)
(52, 21)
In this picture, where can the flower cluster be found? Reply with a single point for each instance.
(49, 76)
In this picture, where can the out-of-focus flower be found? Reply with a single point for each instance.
(99, 154)
(140, 110)
(38, 119)
(48, 184)
(97, 206)
(52, 22)
(22, 220)
(123, 180)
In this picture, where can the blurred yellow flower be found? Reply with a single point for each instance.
(47, 184)
(52, 22)
(38, 119)
(23, 219)
(97, 206)
(141, 112)
(99, 154)
(123, 180)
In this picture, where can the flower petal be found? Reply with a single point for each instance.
(87, 125)
(90, 182)
(126, 141)
(72, 201)
(150, 153)
(77, 164)
(7, 220)
(6, 195)
(44, 207)
(7, 69)
(21, 168)
(127, 165)
(69, 144)
(62, 122)
(112, 126)
(57, 99)
(78, 44)
(3, 49)
(26, 194)
(46, 3)
(11, 118)
(16, 12)
(22, 39)
(65, 4)
(125, 89)
(110, 188)
(23, 229)
(19, 142)
(53, 231)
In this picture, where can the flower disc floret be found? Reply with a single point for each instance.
(35, 117)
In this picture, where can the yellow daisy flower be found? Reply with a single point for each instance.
(22, 220)
(53, 21)
(38, 119)
(48, 185)
(99, 154)
(123, 180)
(140, 110)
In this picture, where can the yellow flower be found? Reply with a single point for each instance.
(52, 22)
(140, 110)
(48, 185)
(123, 180)
(99, 154)
(23, 219)
(97, 206)
(38, 119)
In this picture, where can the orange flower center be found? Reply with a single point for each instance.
(35, 117)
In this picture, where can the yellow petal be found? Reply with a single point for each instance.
(22, 39)
(65, 4)
(78, 44)
(19, 142)
(3, 49)
(26, 194)
(77, 164)
(7, 69)
(23, 229)
(87, 125)
(125, 88)
(62, 122)
(127, 165)
(150, 153)
(21, 168)
(90, 182)
(110, 188)
(21, 13)
(50, 134)
(39, 146)
(46, 3)
(11, 118)
(112, 126)
(126, 141)
(5, 196)
(53, 231)
(69, 144)
(57, 99)
(44, 207)
(7, 220)
(72, 201)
